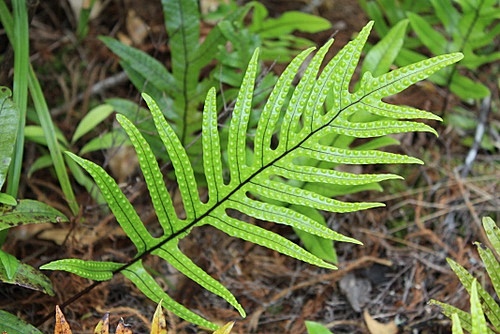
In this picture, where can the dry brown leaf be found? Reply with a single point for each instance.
(123, 162)
(375, 327)
(122, 328)
(207, 6)
(103, 325)
(159, 324)
(78, 5)
(137, 29)
(62, 326)
(124, 38)
(226, 329)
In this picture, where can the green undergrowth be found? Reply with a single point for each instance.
(435, 27)
(484, 315)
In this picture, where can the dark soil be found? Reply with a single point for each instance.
(433, 214)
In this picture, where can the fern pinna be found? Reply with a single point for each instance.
(297, 116)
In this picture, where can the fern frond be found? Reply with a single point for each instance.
(490, 306)
(265, 181)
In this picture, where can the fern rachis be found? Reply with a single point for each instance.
(259, 177)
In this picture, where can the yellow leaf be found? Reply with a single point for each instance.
(103, 325)
(159, 324)
(62, 326)
(376, 327)
(226, 329)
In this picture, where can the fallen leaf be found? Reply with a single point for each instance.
(62, 326)
(137, 29)
(207, 6)
(159, 324)
(226, 329)
(375, 327)
(122, 328)
(103, 325)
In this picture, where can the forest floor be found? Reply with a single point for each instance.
(433, 214)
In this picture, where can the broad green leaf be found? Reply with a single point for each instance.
(115, 138)
(93, 118)
(375, 13)
(37, 135)
(431, 38)
(9, 121)
(167, 217)
(13, 325)
(465, 88)
(7, 199)
(289, 22)
(448, 14)
(183, 27)
(380, 57)
(28, 212)
(43, 161)
(217, 37)
(12, 271)
(316, 328)
(10, 264)
(149, 68)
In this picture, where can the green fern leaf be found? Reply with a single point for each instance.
(143, 280)
(449, 311)
(491, 265)
(456, 324)
(264, 182)
(490, 306)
